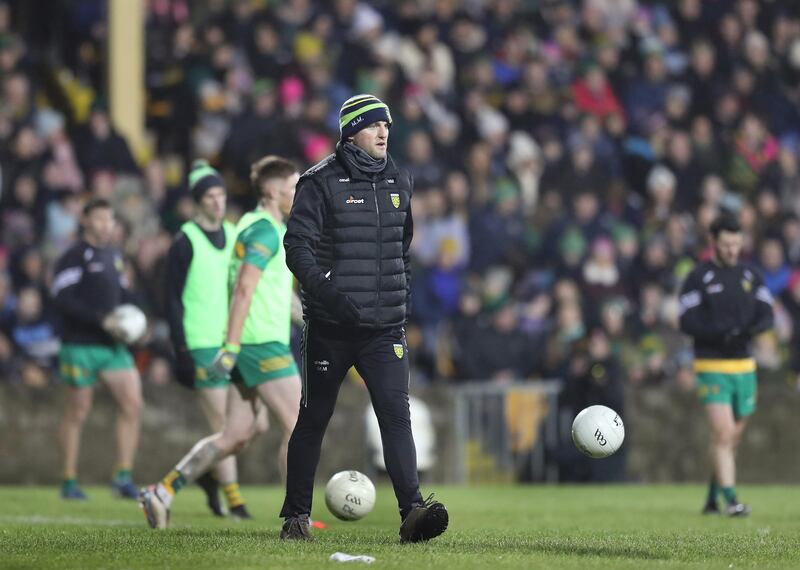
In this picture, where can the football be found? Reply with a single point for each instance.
(598, 431)
(350, 495)
(131, 321)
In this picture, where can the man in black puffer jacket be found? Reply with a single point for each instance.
(347, 243)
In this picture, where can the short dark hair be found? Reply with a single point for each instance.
(725, 223)
(269, 167)
(96, 204)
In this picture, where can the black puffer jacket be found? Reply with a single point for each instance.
(354, 229)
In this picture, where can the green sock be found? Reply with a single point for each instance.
(713, 492)
(730, 495)
(69, 483)
(122, 475)
(173, 482)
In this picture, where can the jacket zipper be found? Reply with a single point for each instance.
(380, 255)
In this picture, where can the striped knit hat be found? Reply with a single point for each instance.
(360, 111)
(202, 178)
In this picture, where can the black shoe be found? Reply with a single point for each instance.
(240, 512)
(711, 509)
(737, 510)
(211, 488)
(296, 528)
(424, 522)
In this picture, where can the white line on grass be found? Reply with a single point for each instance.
(42, 519)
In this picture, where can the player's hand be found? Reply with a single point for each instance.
(340, 305)
(112, 326)
(734, 335)
(184, 368)
(224, 362)
(347, 312)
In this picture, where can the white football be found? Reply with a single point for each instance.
(350, 495)
(131, 320)
(598, 431)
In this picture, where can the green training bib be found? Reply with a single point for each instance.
(205, 295)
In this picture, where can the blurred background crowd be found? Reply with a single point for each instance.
(568, 158)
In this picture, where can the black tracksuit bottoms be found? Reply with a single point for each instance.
(381, 358)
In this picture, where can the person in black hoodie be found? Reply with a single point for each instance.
(347, 243)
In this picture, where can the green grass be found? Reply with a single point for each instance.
(490, 527)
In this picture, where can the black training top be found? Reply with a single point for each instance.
(722, 308)
(88, 284)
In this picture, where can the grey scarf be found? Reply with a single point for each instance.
(361, 159)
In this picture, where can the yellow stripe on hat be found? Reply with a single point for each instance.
(355, 100)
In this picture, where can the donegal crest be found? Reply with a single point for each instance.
(398, 350)
(395, 199)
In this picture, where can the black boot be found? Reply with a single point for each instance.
(424, 521)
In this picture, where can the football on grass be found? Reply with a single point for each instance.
(350, 495)
(598, 431)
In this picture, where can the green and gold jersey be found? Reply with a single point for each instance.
(259, 242)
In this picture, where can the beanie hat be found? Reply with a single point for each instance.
(360, 111)
(203, 178)
(572, 241)
(262, 86)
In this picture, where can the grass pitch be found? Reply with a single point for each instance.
(490, 527)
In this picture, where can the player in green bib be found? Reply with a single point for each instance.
(255, 353)
(197, 311)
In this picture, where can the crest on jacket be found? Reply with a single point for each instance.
(398, 350)
(395, 199)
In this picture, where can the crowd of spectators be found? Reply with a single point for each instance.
(568, 157)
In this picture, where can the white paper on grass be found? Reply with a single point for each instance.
(343, 557)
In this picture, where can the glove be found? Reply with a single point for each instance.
(347, 312)
(224, 362)
(340, 305)
(184, 368)
(734, 335)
